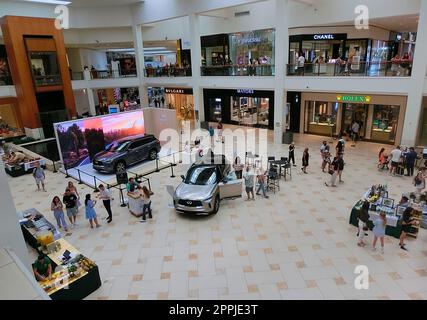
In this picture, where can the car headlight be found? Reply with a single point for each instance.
(208, 199)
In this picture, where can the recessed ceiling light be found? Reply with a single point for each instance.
(49, 1)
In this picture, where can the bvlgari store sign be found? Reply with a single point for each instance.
(356, 99)
(178, 91)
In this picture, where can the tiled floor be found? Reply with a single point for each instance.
(296, 245)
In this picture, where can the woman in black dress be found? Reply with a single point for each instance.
(305, 158)
(406, 222)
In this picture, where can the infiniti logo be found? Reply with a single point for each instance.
(189, 202)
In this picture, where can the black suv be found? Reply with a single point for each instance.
(125, 152)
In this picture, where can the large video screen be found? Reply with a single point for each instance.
(80, 140)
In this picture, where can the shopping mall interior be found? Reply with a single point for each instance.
(213, 150)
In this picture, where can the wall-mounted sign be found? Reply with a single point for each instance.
(251, 40)
(323, 37)
(178, 91)
(360, 99)
(245, 91)
(318, 37)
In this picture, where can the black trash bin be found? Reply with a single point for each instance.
(204, 125)
(288, 137)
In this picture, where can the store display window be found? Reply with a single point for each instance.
(250, 110)
(321, 117)
(45, 68)
(384, 123)
(253, 48)
(9, 126)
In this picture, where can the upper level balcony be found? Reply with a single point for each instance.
(168, 71)
(238, 70)
(104, 74)
(362, 69)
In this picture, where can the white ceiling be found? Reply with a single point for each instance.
(95, 3)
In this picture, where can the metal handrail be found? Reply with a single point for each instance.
(393, 68)
(168, 72)
(238, 70)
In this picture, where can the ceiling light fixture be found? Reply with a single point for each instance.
(49, 1)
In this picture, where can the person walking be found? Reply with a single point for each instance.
(333, 171)
(70, 201)
(406, 222)
(238, 167)
(363, 219)
(261, 178)
(305, 160)
(379, 231)
(39, 177)
(292, 154)
(106, 197)
(340, 146)
(340, 164)
(355, 131)
(211, 135)
(146, 207)
(248, 177)
(382, 159)
(90, 211)
(326, 159)
(58, 212)
(419, 182)
(410, 157)
(73, 189)
(396, 154)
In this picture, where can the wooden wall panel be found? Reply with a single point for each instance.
(40, 44)
(14, 29)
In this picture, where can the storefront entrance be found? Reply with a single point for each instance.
(380, 118)
(241, 107)
(354, 113)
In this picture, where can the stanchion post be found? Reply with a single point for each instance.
(66, 172)
(80, 178)
(157, 164)
(172, 175)
(174, 162)
(54, 167)
(149, 184)
(96, 187)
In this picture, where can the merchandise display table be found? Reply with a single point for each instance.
(74, 278)
(23, 168)
(392, 229)
(135, 204)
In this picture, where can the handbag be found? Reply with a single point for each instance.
(365, 227)
(331, 172)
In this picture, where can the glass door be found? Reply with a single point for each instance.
(352, 113)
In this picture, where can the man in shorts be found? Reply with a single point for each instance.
(249, 177)
(396, 154)
(70, 201)
(39, 176)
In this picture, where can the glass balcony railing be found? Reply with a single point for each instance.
(77, 75)
(238, 70)
(168, 72)
(48, 80)
(362, 69)
(108, 74)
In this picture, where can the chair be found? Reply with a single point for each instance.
(287, 169)
(273, 179)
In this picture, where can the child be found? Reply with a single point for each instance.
(379, 231)
(90, 211)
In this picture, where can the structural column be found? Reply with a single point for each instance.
(10, 231)
(140, 65)
(281, 53)
(91, 99)
(196, 62)
(415, 94)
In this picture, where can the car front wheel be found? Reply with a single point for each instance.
(121, 166)
(153, 154)
(216, 205)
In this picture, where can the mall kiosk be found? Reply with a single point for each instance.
(379, 201)
(75, 276)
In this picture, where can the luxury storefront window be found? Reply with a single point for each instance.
(249, 110)
(384, 123)
(183, 104)
(321, 117)
(253, 48)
